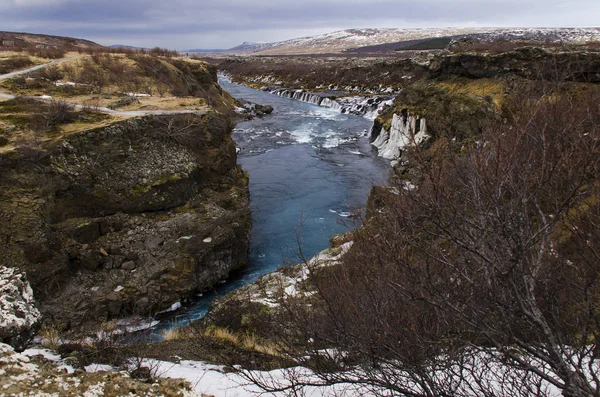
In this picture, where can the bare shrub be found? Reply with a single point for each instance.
(51, 53)
(92, 75)
(482, 278)
(50, 114)
(51, 73)
(91, 105)
(157, 51)
(15, 63)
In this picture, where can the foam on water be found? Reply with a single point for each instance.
(304, 134)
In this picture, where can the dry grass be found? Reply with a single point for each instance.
(222, 334)
(50, 337)
(101, 80)
(480, 88)
(178, 334)
(27, 122)
(248, 342)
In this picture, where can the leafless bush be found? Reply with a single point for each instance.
(51, 73)
(92, 75)
(157, 51)
(482, 279)
(50, 114)
(15, 63)
(52, 53)
(91, 105)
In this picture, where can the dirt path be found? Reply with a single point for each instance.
(32, 69)
(127, 113)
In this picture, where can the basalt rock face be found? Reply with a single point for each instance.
(423, 112)
(525, 62)
(126, 218)
(405, 130)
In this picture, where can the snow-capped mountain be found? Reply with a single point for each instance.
(339, 41)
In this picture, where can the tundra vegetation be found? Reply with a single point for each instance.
(477, 271)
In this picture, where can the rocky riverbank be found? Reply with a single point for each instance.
(125, 218)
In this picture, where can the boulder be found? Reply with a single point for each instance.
(18, 314)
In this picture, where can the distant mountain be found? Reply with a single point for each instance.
(204, 51)
(32, 40)
(246, 47)
(337, 42)
(130, 47)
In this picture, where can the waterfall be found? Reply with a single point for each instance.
(361, 106)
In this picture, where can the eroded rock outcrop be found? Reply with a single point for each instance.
(527, 62)
(429, 110)
(126, 218)
(18, 313)
(405, 130)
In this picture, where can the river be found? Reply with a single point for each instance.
(304, 162)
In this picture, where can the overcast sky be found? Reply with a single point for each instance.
(185, 24)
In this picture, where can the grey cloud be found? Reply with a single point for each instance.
(225, 23)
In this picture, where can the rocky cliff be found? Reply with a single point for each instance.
(357, 105)
(526, 62)
(405, 130)
(431, 109)
(124, 218)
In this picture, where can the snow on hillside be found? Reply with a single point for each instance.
(352, 38)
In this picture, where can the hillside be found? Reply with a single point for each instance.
(480, 257)
(28, 40)
(132, 82)
(120, 188)
(337, 42)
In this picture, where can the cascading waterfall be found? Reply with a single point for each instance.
(356, 105)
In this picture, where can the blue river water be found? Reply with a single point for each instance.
(310, 168)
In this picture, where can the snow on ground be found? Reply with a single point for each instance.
(352, 38)
(271, 288)
(212, 380)
(25, 374)
(479, 373)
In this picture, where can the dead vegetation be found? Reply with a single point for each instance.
(481, 278)
(499, 46)
(24, 121)
(322, 74)
(134, 82)
(10, 64)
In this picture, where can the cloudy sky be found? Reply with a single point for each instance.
(185, 24)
